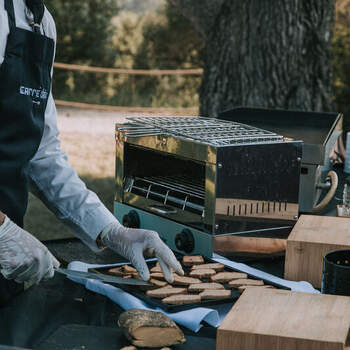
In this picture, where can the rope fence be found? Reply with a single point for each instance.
(144, 72)
(76, 67)
(127, 109)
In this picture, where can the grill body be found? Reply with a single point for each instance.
(318, 131)
(193, 178)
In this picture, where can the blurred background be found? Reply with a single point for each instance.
(152, 34)
(147, 34)
(294, 55)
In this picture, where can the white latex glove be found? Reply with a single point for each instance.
(133, 243)
(22, 257)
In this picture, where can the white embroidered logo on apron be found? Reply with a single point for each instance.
(38, 93)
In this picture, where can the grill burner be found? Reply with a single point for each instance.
(207, 131)
(181, 192)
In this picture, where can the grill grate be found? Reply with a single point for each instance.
(203, 130)
(180, 192)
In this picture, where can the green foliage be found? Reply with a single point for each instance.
(138, 6)
(169, 42)
(90, 32)
(84, 36)
(341, 61)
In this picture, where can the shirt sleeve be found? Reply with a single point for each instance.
(57, 184)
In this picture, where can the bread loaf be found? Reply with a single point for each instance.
(145, 328)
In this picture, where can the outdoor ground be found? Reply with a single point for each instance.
(88, 139)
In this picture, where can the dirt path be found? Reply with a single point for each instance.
(73, 120)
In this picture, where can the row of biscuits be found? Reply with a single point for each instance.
(203, 282)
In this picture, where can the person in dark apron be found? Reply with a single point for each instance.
(27, 65)
(25, 83)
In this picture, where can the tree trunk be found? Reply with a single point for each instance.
(264, 53)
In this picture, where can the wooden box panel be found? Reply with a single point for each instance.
(268, 319)
(311, 238)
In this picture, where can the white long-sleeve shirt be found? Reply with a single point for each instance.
(52, 179)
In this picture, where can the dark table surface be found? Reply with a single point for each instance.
(60, 314)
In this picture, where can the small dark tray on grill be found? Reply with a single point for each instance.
(154, 302)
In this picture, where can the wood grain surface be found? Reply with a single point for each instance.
(229, 244)
(311, 238)
(269, 319)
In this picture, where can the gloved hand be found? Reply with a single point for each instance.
(22, 257)
(133, 243)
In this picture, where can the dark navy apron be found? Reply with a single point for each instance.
(25, 81)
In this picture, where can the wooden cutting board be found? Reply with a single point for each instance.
(267, 319)
(311, 238)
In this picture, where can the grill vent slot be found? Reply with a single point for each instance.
(252, 209)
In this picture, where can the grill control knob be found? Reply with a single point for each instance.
(131, 219)
(185, 241)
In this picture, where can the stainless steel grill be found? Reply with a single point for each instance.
(206, 131)
(193, 179)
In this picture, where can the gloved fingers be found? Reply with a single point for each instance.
(42, 266)
(49, 263)
(56, 264)
(39, 266)
(23, 257)
(27, 274)
(150, 253)
(11, 273)
(168, 275)
(139, 263)
(51, 269)
(50, 272)
(163, 252)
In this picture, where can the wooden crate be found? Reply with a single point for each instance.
(311, 238)
(267, 319)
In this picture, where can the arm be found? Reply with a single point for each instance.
(57, 184)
